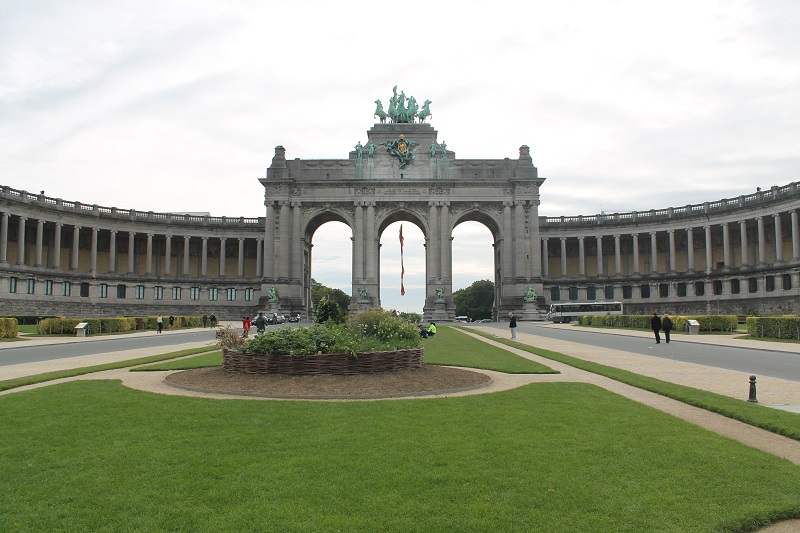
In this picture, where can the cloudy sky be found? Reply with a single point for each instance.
(177, 105)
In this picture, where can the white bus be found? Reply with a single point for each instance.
(464, 319)
(567, 312)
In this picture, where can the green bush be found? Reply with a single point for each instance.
(8, 328)
(57, 326)
(776, 327)
(385, 325)
(707, 322)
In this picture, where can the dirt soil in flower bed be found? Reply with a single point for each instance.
(427, 379)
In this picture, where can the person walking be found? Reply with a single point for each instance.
(666, 325)
(655, 325)
(261, 323)
(205, 320)
(246, 326)
(160, 322)
(512, 323)
(171, 323)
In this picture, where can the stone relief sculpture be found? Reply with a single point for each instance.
(440, 293)
(530, 294)
(272, 293)
(363, 293)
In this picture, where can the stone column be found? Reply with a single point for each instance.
(284, 244)
(635, 253)
(268, 250)
(112, 251)
(260, 257)
(690, 248)
(653, 252)
(599, 255)
(93, 256)
(149, 265)
(433, 242)
(204, 258)
(743, 231)
(446, 244)
(358, 246)
(4, 238)
(222, 243)
(617, 256)
(778, 238)
(168, 255)
(672, 257)
(371, 271)
(186, 241)
(240, 264)
(726, 246)
(709, 250)
(762, 242)
(76, 234)
(21, 241)
(131, 250)
(581, 257)
(563, 257)
(795, 237)
(294, 268)
(545, 259)
(520, 250)
(39, 242)
(508, 265)
(57, 245)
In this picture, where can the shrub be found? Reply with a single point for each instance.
(8, 328)
(777, 327)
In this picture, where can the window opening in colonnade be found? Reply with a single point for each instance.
(473, 259)
(413, 262)
(332, 260)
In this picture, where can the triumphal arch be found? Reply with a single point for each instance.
(403, 172)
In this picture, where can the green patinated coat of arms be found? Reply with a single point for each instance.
(401, 149)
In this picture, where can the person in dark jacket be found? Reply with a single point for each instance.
(512, 323)
(655, 325)
(666, 325)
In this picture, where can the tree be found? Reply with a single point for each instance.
(329, 310)
(475, 301)
(337, 296)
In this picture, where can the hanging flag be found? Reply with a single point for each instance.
(402, 268)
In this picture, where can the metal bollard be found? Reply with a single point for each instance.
(752, 397)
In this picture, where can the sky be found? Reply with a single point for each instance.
(178, 105)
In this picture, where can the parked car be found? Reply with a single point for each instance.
(294, 317)
(485, 320)
(280, 319)
(271, 318)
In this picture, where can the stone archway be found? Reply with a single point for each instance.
(402, 173)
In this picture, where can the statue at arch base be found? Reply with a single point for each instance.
(533, 306)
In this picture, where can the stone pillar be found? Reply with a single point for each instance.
(204, 258)
(131, 250)
(57, 245)
(672, 258)
(563, 257)
(222, 243)
(599, 255)
(168, 255)
(709, 250)
(358, 246)
(617, 256)
(93, 268)
(371, 271)
(508, 240)
(432, 246)
(743, 231)
(795, 237)
(260, 257)
(186, 241)
(446, 245)
(268, 258)
(4, 238)
(690, 248)
(635, 253)
(726, 246)
(39, 242)
(778, 238)
(581, 257)
(762, 243)
(284, 244)
(295, 267)
(653, 252)
(112, 251)
(545, 259)
(240, 263)
(21, 241)
(520, 250)
(76, 237)
(149, 263)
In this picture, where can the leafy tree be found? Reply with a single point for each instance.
(329, 310)
(320, 291)
(476, 300)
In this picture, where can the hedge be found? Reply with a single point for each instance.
(62, 325)
(707, 322)
(8, 328)
(776, 327)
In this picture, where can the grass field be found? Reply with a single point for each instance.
(93, 455)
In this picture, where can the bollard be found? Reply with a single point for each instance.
(752, 397)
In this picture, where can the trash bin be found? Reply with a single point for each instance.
(81, 328)
(693, 326)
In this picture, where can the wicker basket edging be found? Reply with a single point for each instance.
(309, 365)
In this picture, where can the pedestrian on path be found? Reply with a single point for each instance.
(512, 323)
(171, 323)
(160, 322)
(246, 324)
(205, 320)
(655, 325)
(666, 325)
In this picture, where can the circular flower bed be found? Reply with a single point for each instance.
(309, 365)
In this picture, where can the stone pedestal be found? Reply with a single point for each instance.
(531, 311)
(439, 311)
